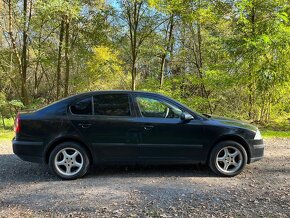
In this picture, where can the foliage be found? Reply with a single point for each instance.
(228, 58)
(103, 66)
(8, 109)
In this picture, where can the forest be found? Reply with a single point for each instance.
(224, 57)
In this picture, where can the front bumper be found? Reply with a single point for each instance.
(257, 150)
(28, 151)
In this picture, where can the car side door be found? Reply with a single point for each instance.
(165, 137)
(111, 129)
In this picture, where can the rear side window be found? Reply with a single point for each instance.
(112, 105)
(83, 107)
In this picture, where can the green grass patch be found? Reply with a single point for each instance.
(275, 134)
(279, 128)
(6, 134)
(9, 123)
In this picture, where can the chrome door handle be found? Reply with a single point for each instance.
(148, 127)
(85, 125)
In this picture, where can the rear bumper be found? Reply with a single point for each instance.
(257, 150)
(28, 151)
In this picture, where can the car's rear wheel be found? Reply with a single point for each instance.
(69, 160)
(228, 158)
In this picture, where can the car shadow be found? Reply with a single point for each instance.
(172, 170)
(14, 170)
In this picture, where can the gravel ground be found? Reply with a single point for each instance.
(263, 189)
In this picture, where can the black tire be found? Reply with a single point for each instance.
(81, 159)
(237, 163)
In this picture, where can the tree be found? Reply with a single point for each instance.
(21, 58)
(141, 23)
(221, 57)
(103, 66)
(261, 38)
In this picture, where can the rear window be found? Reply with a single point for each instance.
(112, 105)
(83, 107)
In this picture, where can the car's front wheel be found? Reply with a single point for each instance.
(228, 158)
(69, 160)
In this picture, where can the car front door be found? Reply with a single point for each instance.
(165, 137)
(110, 129)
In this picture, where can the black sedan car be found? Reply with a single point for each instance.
(126, 127)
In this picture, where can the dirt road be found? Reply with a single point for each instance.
(263, 189)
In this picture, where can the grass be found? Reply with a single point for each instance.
(6, 134)
(279, 128)
(266, 133)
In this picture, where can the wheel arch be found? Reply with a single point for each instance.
(60, 140)
(234, 138)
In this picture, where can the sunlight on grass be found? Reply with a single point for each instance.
(275, 134)
(9, 124)
(6, 134)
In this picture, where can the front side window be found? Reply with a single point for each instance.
(112, 105)
(83, 107)
(150, 107)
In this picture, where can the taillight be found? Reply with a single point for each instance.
(17, 124)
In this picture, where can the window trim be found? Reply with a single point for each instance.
(92, 102)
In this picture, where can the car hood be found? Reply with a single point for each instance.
(233, 122)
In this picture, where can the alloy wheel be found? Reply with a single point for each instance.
(68, 161)
(229, 159)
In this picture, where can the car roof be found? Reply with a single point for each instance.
(115, 92)
(120, 91)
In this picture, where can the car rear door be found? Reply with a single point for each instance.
(165, 137)
(111, 129)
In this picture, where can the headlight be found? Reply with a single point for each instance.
(258, 135)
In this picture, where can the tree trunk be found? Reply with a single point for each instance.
(58, 70)
(66, 57)
(24, 56)
(133, 22)
(3, 121)
(161, 70)
(13, 43)
(251, 85)
(1, 35)
(36, 82)
(204, 92)
(169, 47)
(133, 74)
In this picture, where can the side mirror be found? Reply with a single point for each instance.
(186, 116)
